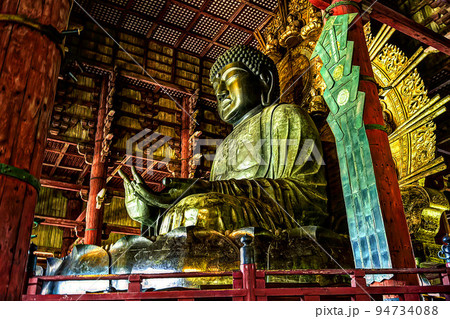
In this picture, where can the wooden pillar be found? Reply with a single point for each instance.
(397, 233)
(74, 207)
(29, 68)
(94, 216)
(185, 123)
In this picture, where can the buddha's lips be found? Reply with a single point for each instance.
(225, 103)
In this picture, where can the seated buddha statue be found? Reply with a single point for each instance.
(266, 181)
(265, 173)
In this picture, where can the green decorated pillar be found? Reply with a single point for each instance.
(377, 223)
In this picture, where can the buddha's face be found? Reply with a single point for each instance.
(238, 91)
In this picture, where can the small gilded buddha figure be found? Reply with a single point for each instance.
(314, 25)
(291, 35)
(265, 173)
(272, 48)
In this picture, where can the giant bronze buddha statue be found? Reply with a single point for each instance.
(267, 181)
(266, 173)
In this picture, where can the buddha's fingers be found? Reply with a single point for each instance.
(177, 182)
(126, 179)
(127, 184)
(136, 176)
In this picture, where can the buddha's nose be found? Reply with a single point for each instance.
(222, 95)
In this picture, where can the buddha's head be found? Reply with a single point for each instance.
(244, 80)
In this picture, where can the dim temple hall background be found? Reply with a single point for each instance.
(90, 89)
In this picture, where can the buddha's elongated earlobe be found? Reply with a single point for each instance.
(266, 94)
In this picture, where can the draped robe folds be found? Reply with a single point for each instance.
(265, 174)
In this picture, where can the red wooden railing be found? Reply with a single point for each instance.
(251, 284)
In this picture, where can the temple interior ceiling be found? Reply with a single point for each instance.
(203, 28)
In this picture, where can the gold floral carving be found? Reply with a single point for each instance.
(425, 211)
(392, 59)
(408, 111)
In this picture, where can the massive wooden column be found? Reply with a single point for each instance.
(397, 233)
(94, 215)
(29, 68)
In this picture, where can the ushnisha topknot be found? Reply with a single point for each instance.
(254, 59)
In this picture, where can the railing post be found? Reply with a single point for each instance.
(134, 284)
(248, 268)
(261, 283)
(445, 255)
(358, 281)
(446, 280)
(34, 286)
(237, 284)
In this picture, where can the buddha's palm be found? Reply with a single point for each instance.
(138, 199)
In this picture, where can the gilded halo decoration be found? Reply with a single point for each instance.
(407, 109)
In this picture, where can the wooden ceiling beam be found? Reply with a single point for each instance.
(260, 28)
(409, 27)
(212, 16)
(124, 12)
(81, 217)
(64, 140)
(60, 185)
(161, 21)
(113, 149)
(118, 167)
(83, 173)
(258, 7)
(75, 169)
(59, 152)
(67, 186)
(223, 29)
(158, 18)
(68, 223)
(187, 31)
(192, 23)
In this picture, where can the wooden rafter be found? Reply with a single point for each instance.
(75, 169)
(59, 152)
(84, 172)
(261, 27)
(224, 28)
(192, 23)
(68, 223)
(169, 25)
(409, 27)
(124, 12)
(158, 18)
(81, 217)
(185, 32)
(258, 7)
(71, 187)
(118, 167)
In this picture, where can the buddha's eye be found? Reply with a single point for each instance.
(232, 77)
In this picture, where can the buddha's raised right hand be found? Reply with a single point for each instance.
(137, 198)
